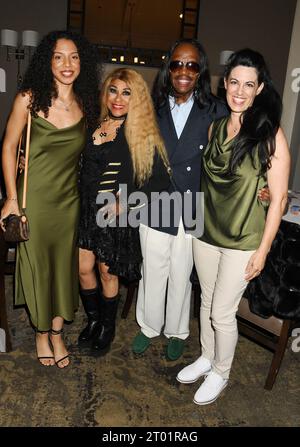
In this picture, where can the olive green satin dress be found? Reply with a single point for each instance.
(47, 264)
(233, 215)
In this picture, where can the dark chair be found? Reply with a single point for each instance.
(7, 266)
(272, 333)
(276, 291)
(132, 289)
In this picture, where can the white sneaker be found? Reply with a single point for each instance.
(210, 389)
(193, 372)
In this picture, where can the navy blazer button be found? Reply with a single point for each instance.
(188, 168)
(201, 146)
(188, 191)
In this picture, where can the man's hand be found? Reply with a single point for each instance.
(21, 163)
(264, 194)
(112, 210)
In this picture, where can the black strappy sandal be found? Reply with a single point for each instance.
(44, 357)
(54, 332)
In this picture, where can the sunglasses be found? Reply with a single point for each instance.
(191, 66)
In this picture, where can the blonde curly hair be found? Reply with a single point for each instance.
(141, 129)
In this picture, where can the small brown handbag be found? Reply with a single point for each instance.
(17, 227)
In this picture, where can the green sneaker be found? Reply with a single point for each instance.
(140, 343)
(175, 348)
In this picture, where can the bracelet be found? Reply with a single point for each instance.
(11, 198)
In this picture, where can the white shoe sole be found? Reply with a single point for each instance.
(212, 400)
(186, 382)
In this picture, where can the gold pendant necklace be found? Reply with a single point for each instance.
(66, 106)
(234, 129)
(105, 133)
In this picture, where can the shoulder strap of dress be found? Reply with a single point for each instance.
(215, 127)
(26, 161)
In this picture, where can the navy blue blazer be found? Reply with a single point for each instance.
(185, 153)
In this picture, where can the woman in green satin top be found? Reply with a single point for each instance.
(60, 90)
(245, 149)
(234, 216)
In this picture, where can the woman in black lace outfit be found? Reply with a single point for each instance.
(125, 149)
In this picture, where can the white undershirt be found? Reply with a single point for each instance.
(180, 112)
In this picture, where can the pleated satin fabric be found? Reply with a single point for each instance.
(47, 264)
(234, 217)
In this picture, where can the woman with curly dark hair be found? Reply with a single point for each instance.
(60, 91)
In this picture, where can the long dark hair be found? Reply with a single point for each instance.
(261, 121)
(38, 79)
(162, 87)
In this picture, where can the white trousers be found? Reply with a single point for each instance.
(168, 261)
(221, 273)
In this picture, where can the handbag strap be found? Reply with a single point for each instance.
(26, 160)
(18, 155)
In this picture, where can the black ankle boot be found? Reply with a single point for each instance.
(91, 303)
(106, 332)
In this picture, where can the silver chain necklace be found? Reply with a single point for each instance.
(66, 106)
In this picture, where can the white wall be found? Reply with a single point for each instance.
(264, 25)
(291, 101)
(39, 15)
(295, 149)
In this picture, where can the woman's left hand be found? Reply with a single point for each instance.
(112, 210)
(255, 265)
